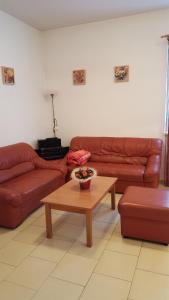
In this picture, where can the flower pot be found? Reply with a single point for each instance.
(85, 185)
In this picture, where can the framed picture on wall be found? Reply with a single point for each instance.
(121, 73)
(79, 77)
(8, 76)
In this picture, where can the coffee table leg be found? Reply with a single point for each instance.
(48, 221)
(113, 197)
(89, 228)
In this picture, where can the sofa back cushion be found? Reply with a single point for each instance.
(13, 155)
(16, 171)
(118, 149)
(116, 159)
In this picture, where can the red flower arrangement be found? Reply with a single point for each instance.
(83, 174)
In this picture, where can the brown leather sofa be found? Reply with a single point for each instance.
(25, 178)
(134, 161)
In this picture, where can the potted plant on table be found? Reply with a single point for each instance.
(84, 175)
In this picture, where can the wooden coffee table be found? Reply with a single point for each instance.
(70, 198)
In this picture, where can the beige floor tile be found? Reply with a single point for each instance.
(38, 212)
(107, 197)
(70, 263)
(149, 286)
(100, 230)
(154, 260)
(5, 270)
(76, 219)
(155, 246)
(69, 231)
(61, 212)
(79, 248)
(6, 235)
(106, 214)
(32, 272)
(25, 224)
(56, 219)
(98, 207)
(117, 229)
(54, 289)
(102, 287)
(118, 197)
(52, 249)
(117, 265)
(14, 252)
(10, 291)
(31, 235)
(75, 269)
(119, 244)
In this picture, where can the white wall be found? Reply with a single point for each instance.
(102, 107)
(25, 115)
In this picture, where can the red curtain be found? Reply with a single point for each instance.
(166, 158)
(166, 161)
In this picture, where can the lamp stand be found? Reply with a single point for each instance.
(54, 118)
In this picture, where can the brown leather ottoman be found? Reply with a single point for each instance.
(145, 214)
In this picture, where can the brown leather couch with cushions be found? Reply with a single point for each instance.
(134, 161)
(25, 179)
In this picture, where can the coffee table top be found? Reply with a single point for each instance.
(70, 195)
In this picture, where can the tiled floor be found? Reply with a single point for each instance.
(63, 268)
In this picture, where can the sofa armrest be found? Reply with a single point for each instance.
(152, 171)
(11, 197)
(58, 165)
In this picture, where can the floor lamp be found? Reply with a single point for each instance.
(55, 127)
(166, 154)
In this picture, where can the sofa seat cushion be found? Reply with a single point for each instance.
(34, 185)
(121, 171)
(125, 172)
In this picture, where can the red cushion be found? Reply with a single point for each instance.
(79, 157)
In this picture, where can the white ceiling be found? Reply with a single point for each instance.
(50, 14)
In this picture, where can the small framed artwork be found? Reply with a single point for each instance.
(121, 73)
(8, 76)
(79, 77)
